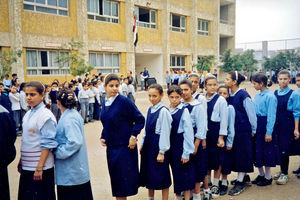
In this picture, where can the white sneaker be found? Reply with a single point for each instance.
(283, 179)
(276, 176)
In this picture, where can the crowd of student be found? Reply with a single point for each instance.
(222, 130)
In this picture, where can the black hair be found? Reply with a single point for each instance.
(54, 83)
(111, 77)
(101, 78)
(65, 83)
(284, 72)
(210, 77)
(126, 79)
(174, 88)
(66, 98)
(95, 82)
(40, 88)
(298, 74)
(237, 76)
(194, 75)
(223, 86)
(186, 82)
(89, 84)
(6, 75)
(1, 84)
(22, 86)
(157, 87)
(14, 75)
(84, 84)
(261, 78)
(79, 80)
(71, 85)
(130, 81)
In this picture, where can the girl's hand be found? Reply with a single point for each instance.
(132, 142)
(296, 134)
(228, 148)
(197, 142)
(184, 160)
(204, 144)
(221, 142)
(38, 174)
(160, 158)
(268, 138)
(103, 142)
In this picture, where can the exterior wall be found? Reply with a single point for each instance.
(180, 3)
(4, 19)
(206, 6)
(181, 39)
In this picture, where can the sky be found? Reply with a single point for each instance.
(258, 20)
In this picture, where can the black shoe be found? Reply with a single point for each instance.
(202, 185)
(265, 182)
(238, 188)
(223, 189)
(297, 171)
(258, 179)
(215, 191)
(298, 176)
(246, 180)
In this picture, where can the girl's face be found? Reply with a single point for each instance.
(298, 81)
(13, 89)
(211, 86)
(112, 88)
(66, 85)
(33, 98)
(186, 91)
(154, 96)
(257, 86)
(85, 87)
(174, 99)
(283, 80)
(223, 92)
(229, 82)
(54, 86)
(195, 82)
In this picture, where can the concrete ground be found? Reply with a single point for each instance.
(101, 182)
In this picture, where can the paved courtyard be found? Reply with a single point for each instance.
(100, 178)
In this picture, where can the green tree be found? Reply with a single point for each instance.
(73, 59)
(277, 62)
(204, 63)
(231, 62)
(248, 61)
(7, 59)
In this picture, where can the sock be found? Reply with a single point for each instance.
(206, 190)
(178, 198)
(224, 182)
(196, 196)
(240, 177)
(268, 173)
(208, 179)
(261, 171)
(216, 182)
(150, 198)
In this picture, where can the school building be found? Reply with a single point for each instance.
(172, 34)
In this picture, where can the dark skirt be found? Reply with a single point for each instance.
(130, 96)
(4, 185)
(200, 163)
(154, 175)
(97, 110)
(183, 176)
(296, 146)
(227, 162)
(266, 153)
(75, 192)
(242, 151)
(123, 170)
(37, 190)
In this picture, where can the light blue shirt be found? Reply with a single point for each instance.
(175, 76)
(7, 83)
(293, 102)
(198, 119)
(185, 127)
(220, 113)
(162, 127)
(250, 110)
(71, 161)
(48, 131)
(168, 79)
(265, 104)
(231, 120)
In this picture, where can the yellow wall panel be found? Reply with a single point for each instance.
(49, 24)
(150, 35)
(179, 38)
(188, 63)
(4, 16)
(206, 6)
(98, 30)
(206, 42)
(182, 3)
(123, 66)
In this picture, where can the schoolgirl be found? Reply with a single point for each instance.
(122, 122)
(37, 161)
(83, 98)
(199, 123)
(97, 105)
(245, 127)
(155, 172)
(52, 94)
(227, 162)
(14, 98)
(71, 152)
(266, 151)
(288, 112)
(182, 144)
(217, 117)
(195, 79)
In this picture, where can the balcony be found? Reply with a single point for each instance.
(226, 28)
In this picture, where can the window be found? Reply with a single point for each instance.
(177, 23)
(103, 10)
(177, 62)
(203, 27)
(56, 7)
(105, 62)
(145, 17)
(40, 62)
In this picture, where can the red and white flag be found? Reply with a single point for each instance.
(135, 36)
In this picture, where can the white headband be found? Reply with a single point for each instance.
(236, 75)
